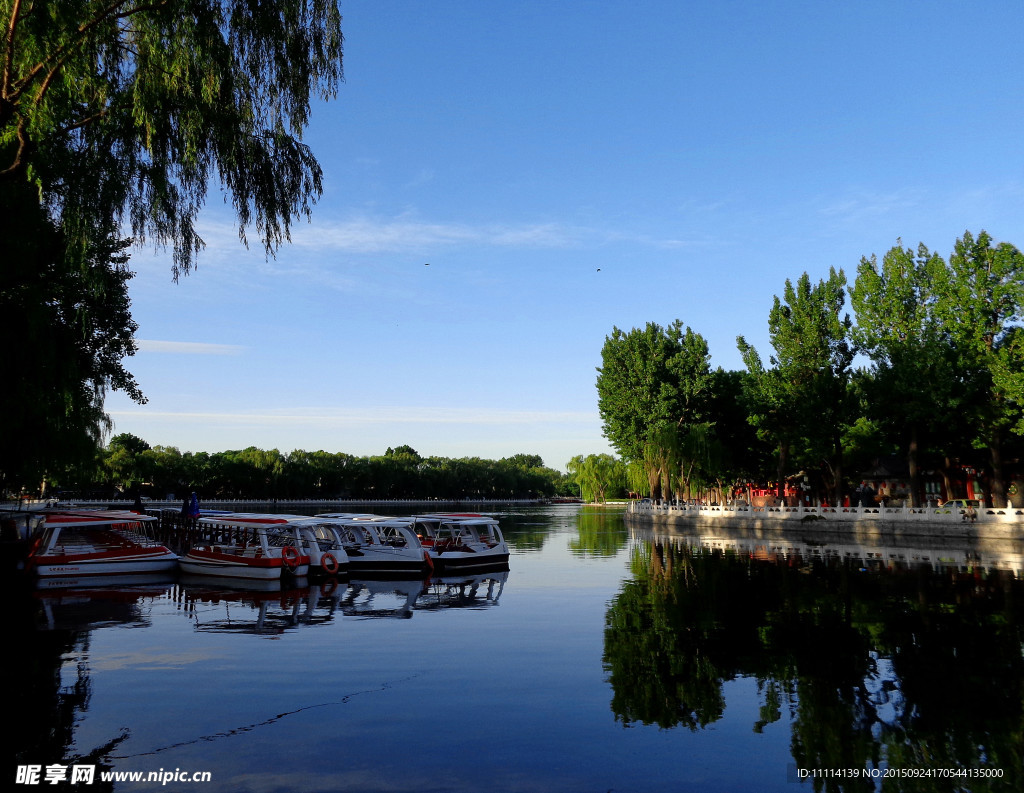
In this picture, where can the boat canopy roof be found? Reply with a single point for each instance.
(376, 523)
(255, 521)
(99, 517)
(473, 520)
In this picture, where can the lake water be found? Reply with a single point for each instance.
(604, 659)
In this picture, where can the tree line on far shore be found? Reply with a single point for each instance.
(941, 385)
(129, 466)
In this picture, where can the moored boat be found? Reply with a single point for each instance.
(461, 541)
(375, 544)
(101, 542)
(327, 554)
(248, 546)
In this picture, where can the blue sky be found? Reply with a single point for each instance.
(505, 183)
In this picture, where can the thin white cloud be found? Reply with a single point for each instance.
(409, 234)
(187, 347)
(367, 235)
(865, 205)
(384, 415)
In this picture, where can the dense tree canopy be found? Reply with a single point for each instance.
(897, 328)
(597, 476)
(980, 303)
(66, 327)
(129, 464)
(653, 387)
(806, 396)
(944, 387)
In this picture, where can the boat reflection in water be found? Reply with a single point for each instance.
(396, 598)
(84, 603)
(227, 605)
(479, 591)
(272, 607)
(877, 655)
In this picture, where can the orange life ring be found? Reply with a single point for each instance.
(290, 557)
(428, 560)
(329, 563)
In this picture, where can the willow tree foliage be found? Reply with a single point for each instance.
(129, 109)
(65, 326)
(120, 115)
(597, 475)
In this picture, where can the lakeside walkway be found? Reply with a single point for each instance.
(1006, 523)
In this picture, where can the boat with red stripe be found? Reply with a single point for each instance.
(248, 546)
(97, 542)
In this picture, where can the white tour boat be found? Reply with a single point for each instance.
(102, 542)
(376, 544)
(248, 546)
(327, 554)
(461, 541)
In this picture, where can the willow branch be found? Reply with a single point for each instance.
(9, 54)
(67, 48)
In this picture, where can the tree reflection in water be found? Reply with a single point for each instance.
(600, 532)
(45, 705)
(909, 667)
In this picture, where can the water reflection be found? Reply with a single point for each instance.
(264, 607)
(46, 665)
(463, 592)
(78, 603)
(878, 660)
(55, 628)
(259, 607)
(601, 532)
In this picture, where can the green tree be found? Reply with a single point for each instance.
(67, 323)
(807, 397)
(164, 470)
(772, 408)
(123, 461)
(743, 456)
(126, 110)
(653, 383)
(980, 303)
(898, 329)
(120, 114)
(596, 475)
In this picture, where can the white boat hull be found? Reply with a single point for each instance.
(467, 560)
(69, 566)
(227, 565)
(380, 561)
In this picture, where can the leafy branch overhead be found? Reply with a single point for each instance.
(127, 110)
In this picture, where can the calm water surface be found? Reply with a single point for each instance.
(603, 660)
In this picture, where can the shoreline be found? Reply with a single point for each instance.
(872, 524)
